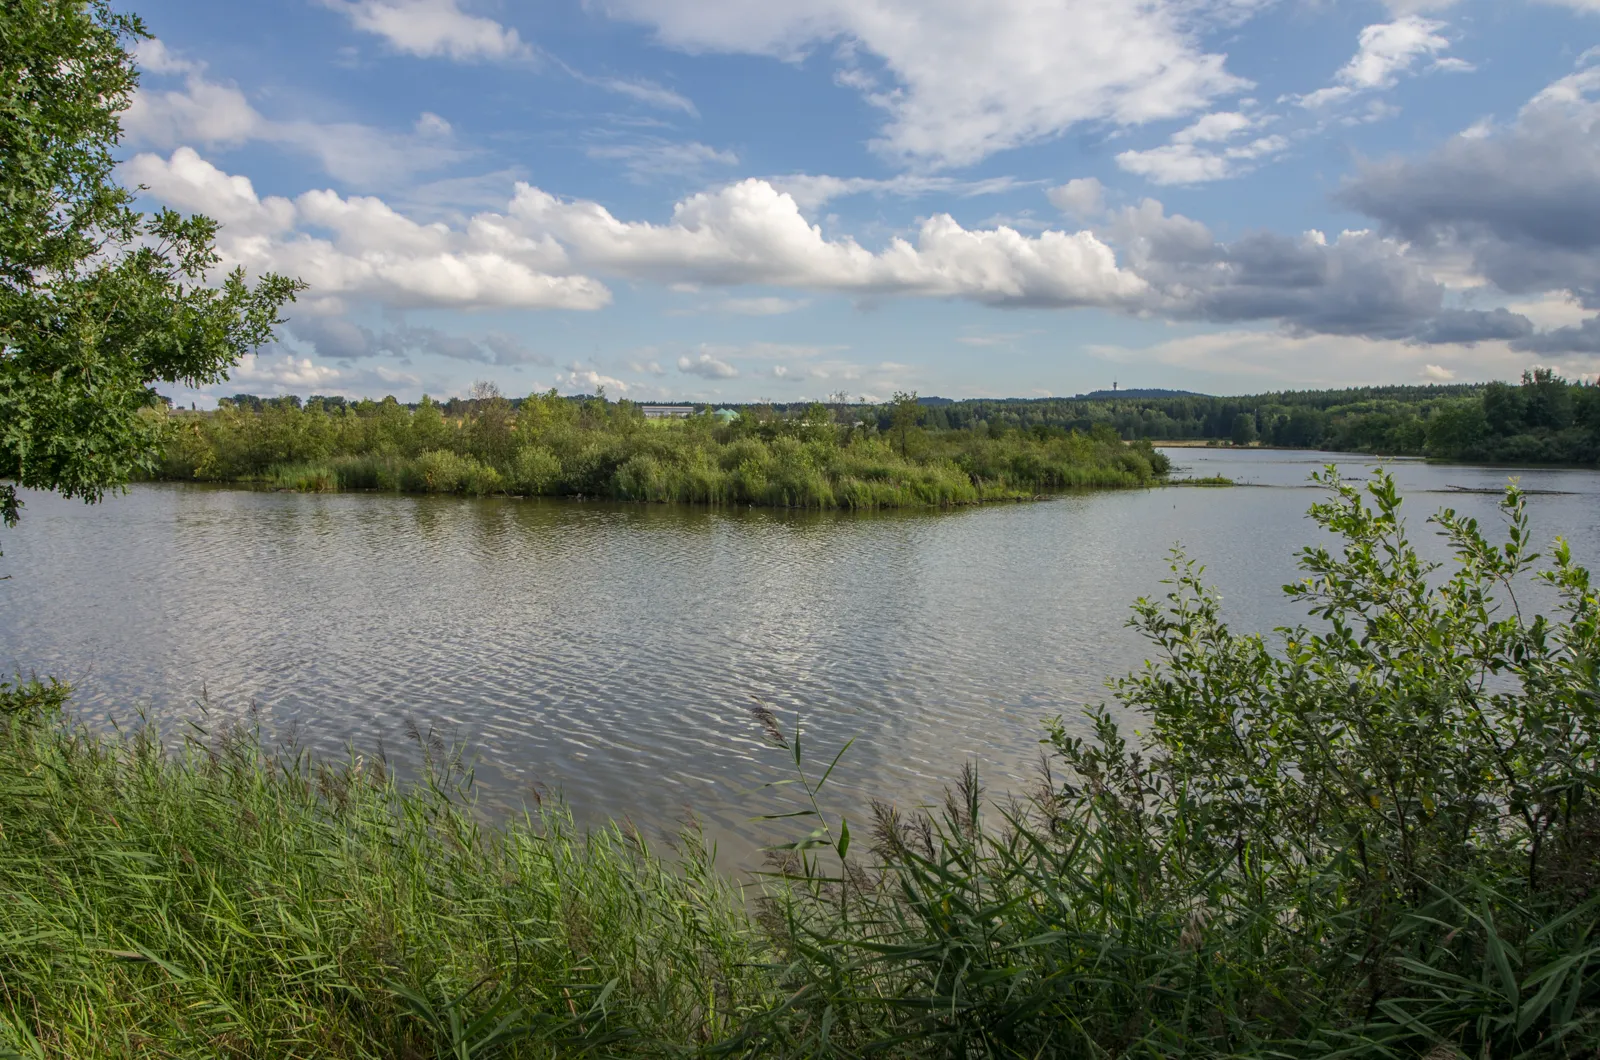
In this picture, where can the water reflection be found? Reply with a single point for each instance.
(612, 651)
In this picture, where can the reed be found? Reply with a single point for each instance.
(221, 901)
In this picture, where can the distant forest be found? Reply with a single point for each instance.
(1542, 419)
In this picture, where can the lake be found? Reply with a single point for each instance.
(611, 652)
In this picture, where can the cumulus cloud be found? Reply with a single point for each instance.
(750, 232)
(291, 372)
(1083, 198)
(1200, 153)
(360, 246)
(1518, 200)
(1357, 284)
(433, 28)
(707, 367)
(579, 379)
(1471, 326)
(1385, 51)
(544, 252)
(963, 81)
(1574, 338)
(209, 113)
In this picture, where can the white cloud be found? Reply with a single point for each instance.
(433, 28)
(542, 252)
(968, 80)
(750, 232)
(580, 380)
(1572, 90)
(1082, 198)
(430, 124)
(707, 367)
(1437, 373)
(370, 251)
(1184, 162)
(1215, 128)
(1577, 5)
(209, 113)
(287, 372)
(1385, 51)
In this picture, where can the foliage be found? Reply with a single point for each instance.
(227, 902)
(1377, 837)
(549, 445)
(1543, 420)
(97, 301)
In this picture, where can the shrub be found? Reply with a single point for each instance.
(1374, 836)
(536, 470)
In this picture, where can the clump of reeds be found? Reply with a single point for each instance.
(222, 901)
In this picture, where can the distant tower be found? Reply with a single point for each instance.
(1113, 386)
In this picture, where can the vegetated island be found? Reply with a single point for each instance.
(815, 456)
(1313, 844)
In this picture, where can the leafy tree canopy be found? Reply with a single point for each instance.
(97, 300)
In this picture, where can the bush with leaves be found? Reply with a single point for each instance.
(1373, 835)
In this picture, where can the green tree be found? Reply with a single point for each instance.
(1244, 428)
(97, 300)
(905, 412)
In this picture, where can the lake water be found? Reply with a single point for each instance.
(611, 652)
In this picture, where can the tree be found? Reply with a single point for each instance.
(905, 412)
(98, 301)
(1244, 428)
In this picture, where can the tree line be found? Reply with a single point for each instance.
(1542, 419)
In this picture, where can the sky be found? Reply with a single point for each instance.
(738, 200)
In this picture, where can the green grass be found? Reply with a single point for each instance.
(221, 902)
(1202, 480)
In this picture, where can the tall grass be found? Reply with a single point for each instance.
(224, 902)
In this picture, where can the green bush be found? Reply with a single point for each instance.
(1377, 835)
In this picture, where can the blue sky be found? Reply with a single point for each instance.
(736, 199)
